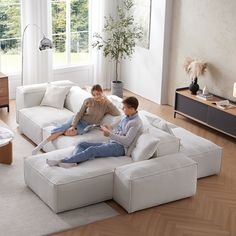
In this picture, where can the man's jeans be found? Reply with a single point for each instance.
(66, 125)
(86, 151)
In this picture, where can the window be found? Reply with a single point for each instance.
(10, 36)
(70, 32)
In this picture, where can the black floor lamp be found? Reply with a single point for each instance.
(45, 43)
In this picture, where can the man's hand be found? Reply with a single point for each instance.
(108, 126)
(106, 131)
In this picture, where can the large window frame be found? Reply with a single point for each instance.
(68, 35)
(18, 48)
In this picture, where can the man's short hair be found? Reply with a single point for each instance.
(96, 87)
(131, 102)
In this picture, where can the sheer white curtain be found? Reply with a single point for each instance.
(104, 69)
(37, 64)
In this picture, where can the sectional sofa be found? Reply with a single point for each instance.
(171, 172)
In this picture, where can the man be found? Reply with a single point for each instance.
(119, 141)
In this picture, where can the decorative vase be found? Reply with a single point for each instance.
(205, 90)
(194, 87)
(117, 88)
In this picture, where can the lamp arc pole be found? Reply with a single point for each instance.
(45, 43)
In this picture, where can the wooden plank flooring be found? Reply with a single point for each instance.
(211, 212)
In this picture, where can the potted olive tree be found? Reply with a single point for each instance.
(119, 40)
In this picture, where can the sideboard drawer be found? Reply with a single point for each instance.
(3, 92)
(4, 101)
(192, 108)
(222, 120)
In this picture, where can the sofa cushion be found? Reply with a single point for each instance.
(160, 124)
(61, 142)
(145, 147)
(168, 144)
(55, 96)
(75, 98)
(117, 101)
(66, 189)
(33, 119)
(203, 151)
(152, 116)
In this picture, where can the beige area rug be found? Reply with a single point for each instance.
(23, 213)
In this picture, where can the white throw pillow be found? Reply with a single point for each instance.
(75, 99)
(146, 146)
(55, 96)
(160, 124)
(117, 101)
(133, 144)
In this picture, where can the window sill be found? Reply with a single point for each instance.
(71, 68)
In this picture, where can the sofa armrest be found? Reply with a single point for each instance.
(32, 95)
(29, 96)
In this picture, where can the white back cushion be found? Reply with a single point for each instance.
(159, 123)
(146, 146)
(75, 99)
(55, 96)
(168, 144)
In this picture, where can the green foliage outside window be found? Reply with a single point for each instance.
(10, 28)
(9, 25)
(78, 24)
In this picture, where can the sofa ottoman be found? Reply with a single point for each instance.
(153, 182)
(65, 189)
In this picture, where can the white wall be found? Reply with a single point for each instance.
(204, 29)
(145, 73)
(81, 75)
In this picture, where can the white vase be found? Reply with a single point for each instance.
(205, 90)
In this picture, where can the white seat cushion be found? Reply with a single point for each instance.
(67, 141)
(32, 120)
(66, 189)
(203, 151)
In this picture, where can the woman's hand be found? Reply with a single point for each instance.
(104, 99)
(71, 131)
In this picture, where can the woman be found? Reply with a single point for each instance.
(91, 112)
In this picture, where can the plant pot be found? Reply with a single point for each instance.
(194, 87)
(117, 88)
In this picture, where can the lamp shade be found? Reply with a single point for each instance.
(45, 43)
(234, 92)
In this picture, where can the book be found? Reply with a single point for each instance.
(225, 104)
(90, 127)
(205, 96)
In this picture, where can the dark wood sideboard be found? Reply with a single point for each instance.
(205, 112)
(4, 92)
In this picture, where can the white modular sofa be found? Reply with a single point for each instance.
(169, 177)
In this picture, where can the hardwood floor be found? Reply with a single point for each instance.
(212, 211)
